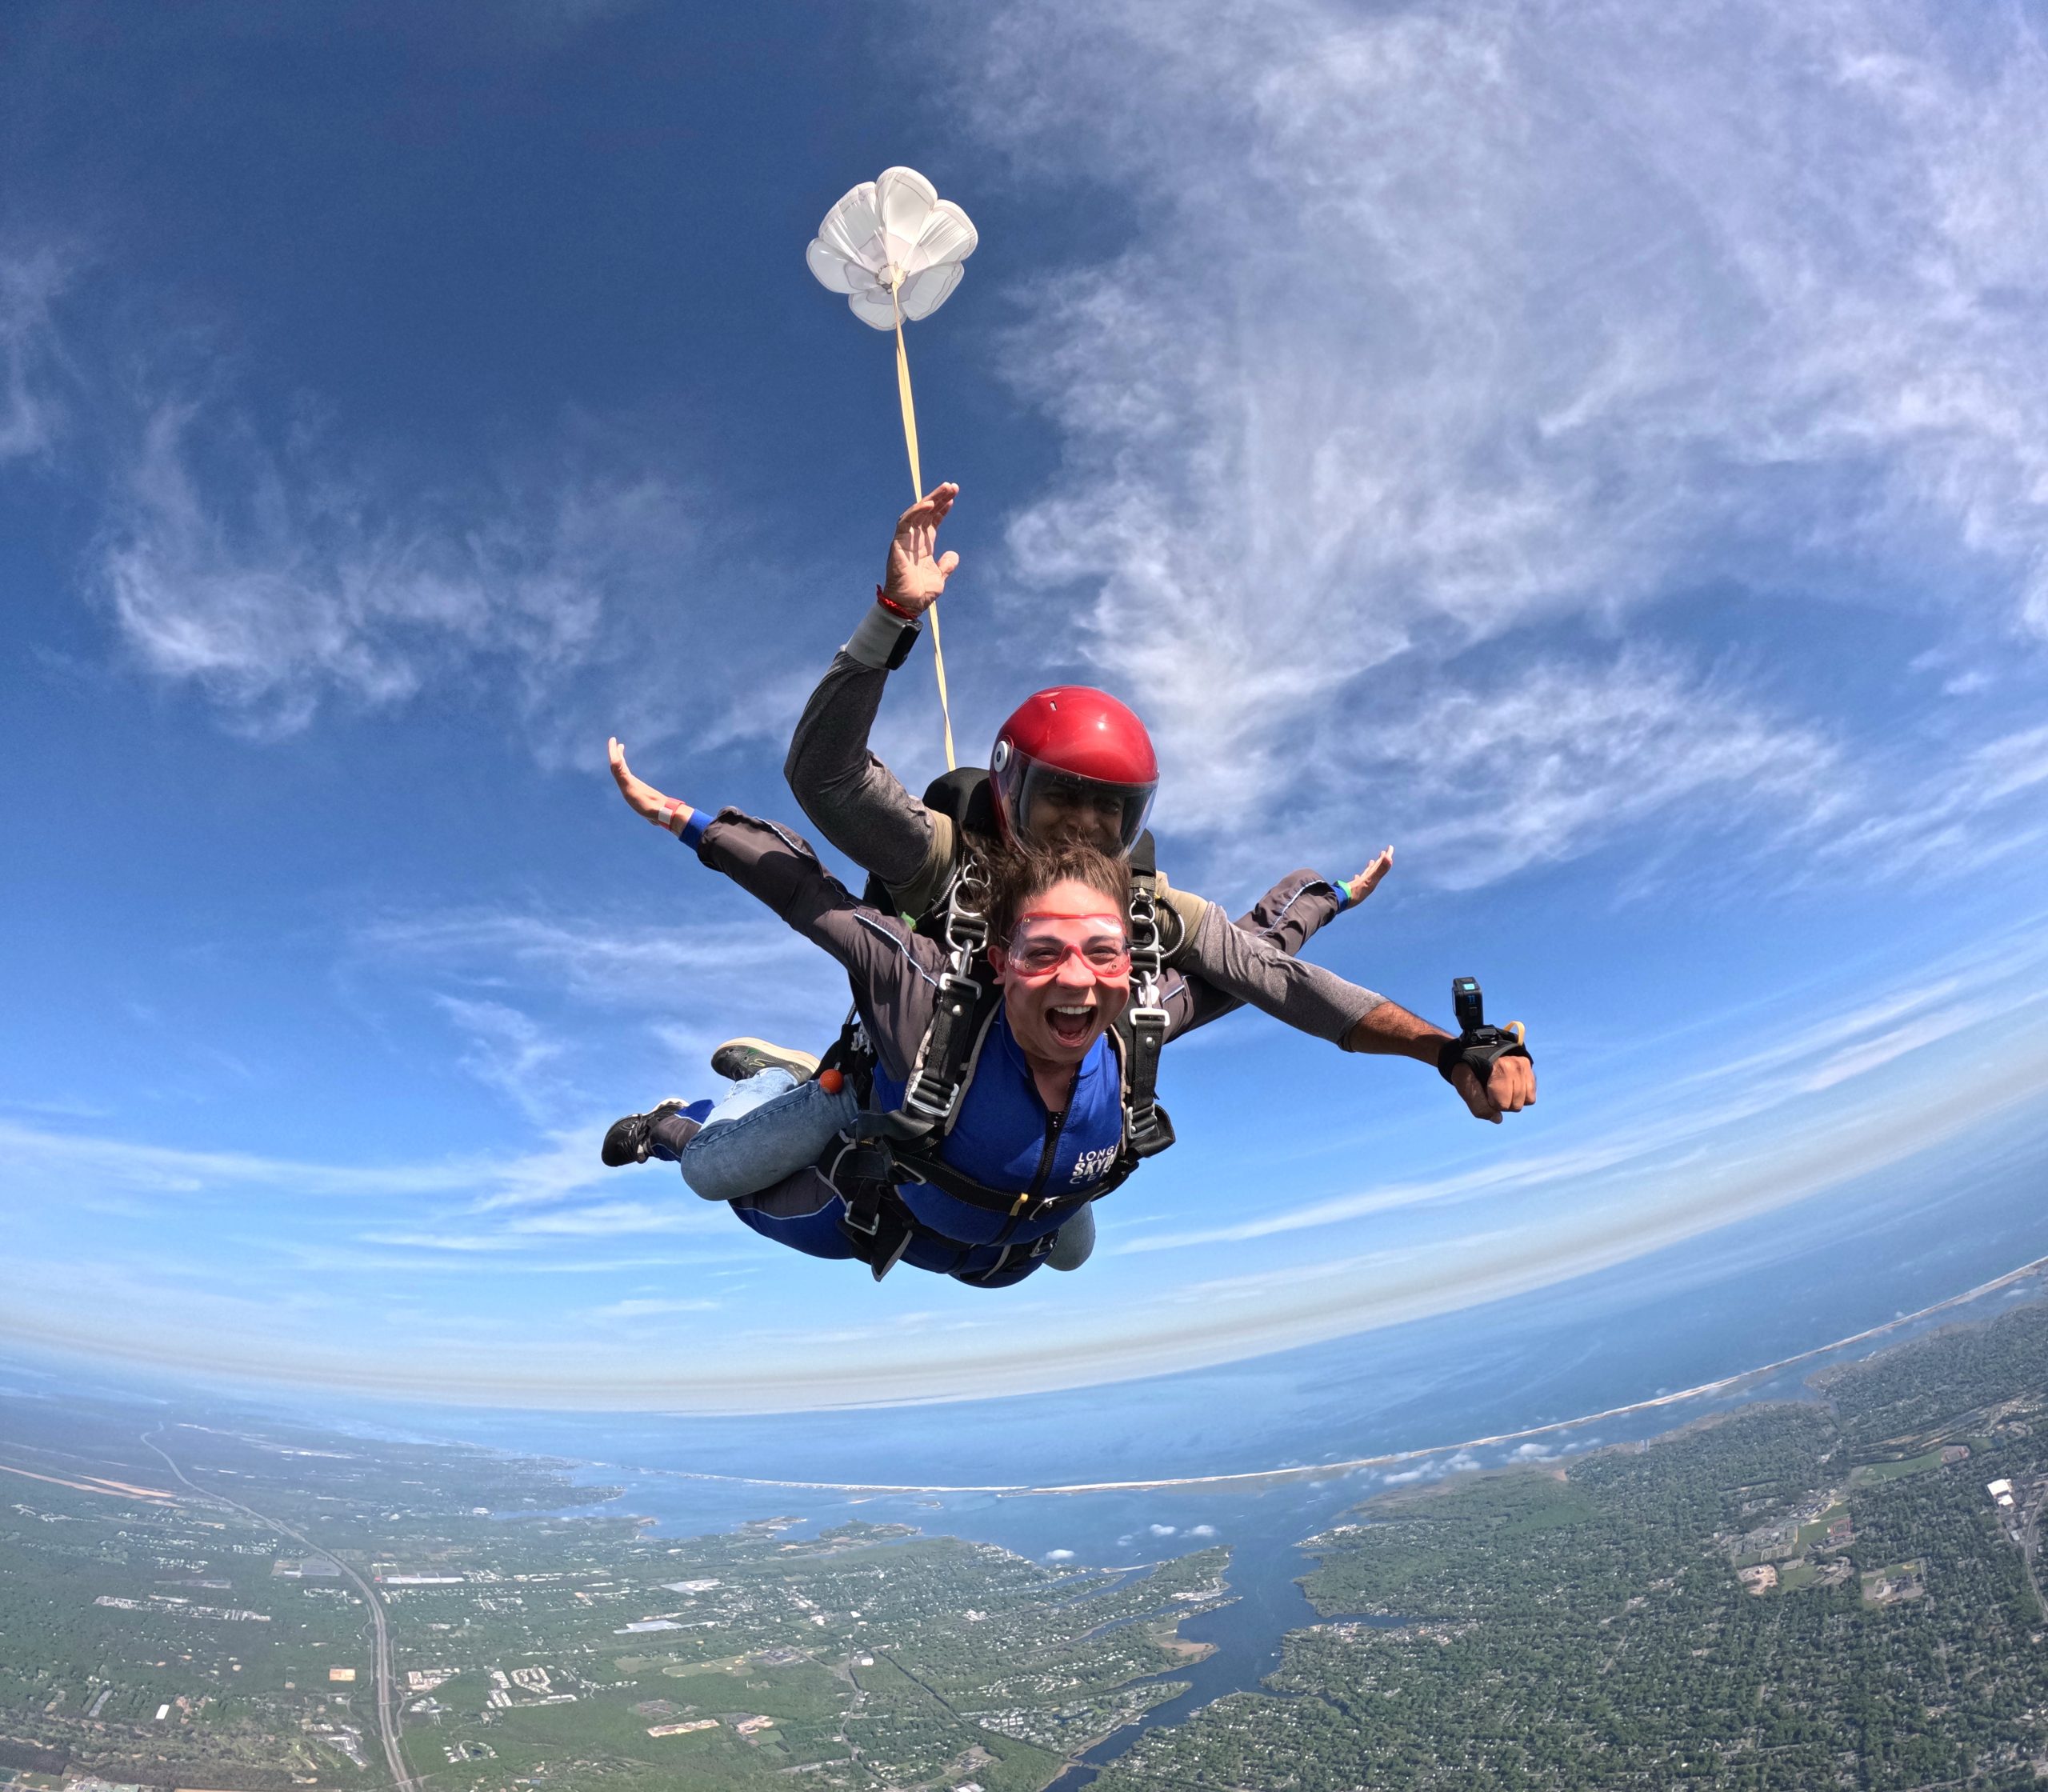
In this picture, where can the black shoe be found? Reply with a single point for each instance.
(738, 1059)
(630, 1140)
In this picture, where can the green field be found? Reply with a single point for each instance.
(1875, 1474)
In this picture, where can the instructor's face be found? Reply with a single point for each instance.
(1065, 974)
(1062, 811)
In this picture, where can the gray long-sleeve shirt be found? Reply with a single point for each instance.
(861, 807)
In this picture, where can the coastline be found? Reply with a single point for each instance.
(1252, 1479)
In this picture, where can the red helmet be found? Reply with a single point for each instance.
(1074, 760)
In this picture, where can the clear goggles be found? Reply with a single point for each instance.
(1040, 944)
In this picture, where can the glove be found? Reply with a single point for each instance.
(1481, 1050)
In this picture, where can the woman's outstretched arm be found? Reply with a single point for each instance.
(894, 972)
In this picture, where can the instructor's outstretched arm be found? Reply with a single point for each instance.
(1388, 1030)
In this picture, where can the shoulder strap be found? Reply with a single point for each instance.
(961, 1011)
(1142, 1027)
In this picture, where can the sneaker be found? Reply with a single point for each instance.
(632, 1139)
(737, 1059)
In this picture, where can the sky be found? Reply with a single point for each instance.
(1605, 455)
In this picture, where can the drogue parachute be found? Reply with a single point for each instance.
(894, 248)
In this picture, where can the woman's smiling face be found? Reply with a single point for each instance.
(1064, 971)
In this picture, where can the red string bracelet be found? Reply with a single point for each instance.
(892, 606)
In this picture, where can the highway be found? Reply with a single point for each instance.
(387, 1693)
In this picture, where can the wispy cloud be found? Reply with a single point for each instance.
(538, 996)
(1570, 755)
(650, 1307)
(32, 279)
(1749, 1095)
(1462, 324)
(277, 576)
(612, 959)
(509, 1052)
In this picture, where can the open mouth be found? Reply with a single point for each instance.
(1070, 1023)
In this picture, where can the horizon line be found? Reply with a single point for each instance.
(1353, 1465)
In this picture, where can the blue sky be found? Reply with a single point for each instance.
(1606, 456)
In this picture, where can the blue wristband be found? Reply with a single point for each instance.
(1343, 894)
(691, 832)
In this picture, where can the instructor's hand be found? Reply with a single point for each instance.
(1511, 1088)
(914, 579)
(641, 798)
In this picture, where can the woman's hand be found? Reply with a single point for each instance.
(1367, 881)
(914, 579)
(642, 799)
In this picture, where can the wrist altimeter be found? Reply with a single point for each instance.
(1478, 1046)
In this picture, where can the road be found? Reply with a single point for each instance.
(2030, 1543)
(387, 1695)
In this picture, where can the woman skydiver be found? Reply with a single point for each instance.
(1039, 1126)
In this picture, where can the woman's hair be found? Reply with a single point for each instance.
(1021, 869)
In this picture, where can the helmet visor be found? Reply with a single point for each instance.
(1049, 805)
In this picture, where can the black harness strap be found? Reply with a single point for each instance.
(1142, 1026)
(960, 1017)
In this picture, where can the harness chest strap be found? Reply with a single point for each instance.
(939, 1075)
(1142, 1027)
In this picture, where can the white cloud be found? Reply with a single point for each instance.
(682, 1212)
(508, 1052)
(613, 960)
(538, 994)
(1562, 757)
(275, 577)
(1164, 1531)
(31, 413)
(1973, 808)
(1059, 1555)
(1447, 325)
(1202, 1530)
(1870, 1054)
(646, 1307)
(123, 1163)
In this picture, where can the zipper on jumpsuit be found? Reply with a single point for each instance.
(1055, 1123)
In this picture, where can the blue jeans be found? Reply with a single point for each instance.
(769, 1127)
